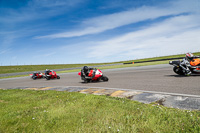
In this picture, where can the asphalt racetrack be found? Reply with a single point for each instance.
(158, 78)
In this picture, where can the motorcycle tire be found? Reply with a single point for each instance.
(48, 78)
(87, 80)
(178, 70)
(34, 77)
(104, 78)
(58, 77)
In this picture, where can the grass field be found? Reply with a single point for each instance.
(27, 68)
(55, 111)
(162, 57)
(122, 66)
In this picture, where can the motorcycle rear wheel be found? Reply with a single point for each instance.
(48, 78)
(87, 80)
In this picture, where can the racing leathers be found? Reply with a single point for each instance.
(185, 65)
(47, 71)
(88, 74)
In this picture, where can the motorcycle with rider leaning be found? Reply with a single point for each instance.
(190, 64)
(92, 75)
(87, 73)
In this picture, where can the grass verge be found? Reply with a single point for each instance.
(14, 76)
(26, 68)
(159, 58)
(104, 67)
(121, 66)
(55, 111)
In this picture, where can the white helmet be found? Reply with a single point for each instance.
(189, 56)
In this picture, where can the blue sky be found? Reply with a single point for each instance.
(92, 31)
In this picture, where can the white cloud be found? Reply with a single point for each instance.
(111, 21)
(179, 33)
(107, 22)
(37, 9)
(52, 3)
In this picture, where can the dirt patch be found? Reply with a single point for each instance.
(2, 101)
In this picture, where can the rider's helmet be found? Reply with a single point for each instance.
(46, 71)
(85, 69)
(189, 56)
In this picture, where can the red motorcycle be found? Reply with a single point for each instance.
(52, 75)
(37, 75)
(98, 75)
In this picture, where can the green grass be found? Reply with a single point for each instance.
(121, 66)
(135, 65)
(104, 67)
(55, 111)
(162, 57)
(14, 76)
(27, 68)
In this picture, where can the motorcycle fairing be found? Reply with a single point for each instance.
(195, 62)
(52, 74)
(176, 62)
(98, 74)
(91, 73)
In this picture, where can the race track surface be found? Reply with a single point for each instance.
(159, 78)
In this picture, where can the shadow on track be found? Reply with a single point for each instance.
(91, 82)
(182, 76)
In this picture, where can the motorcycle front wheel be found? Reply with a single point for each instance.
(34, 77)
(104, 78)
(178, 70)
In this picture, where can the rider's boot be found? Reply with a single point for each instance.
(188, 73)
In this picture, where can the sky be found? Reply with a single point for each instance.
(96, 31)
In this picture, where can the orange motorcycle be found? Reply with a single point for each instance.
(181, 67)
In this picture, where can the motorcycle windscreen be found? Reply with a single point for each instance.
(176, 62)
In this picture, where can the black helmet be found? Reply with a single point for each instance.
(85, 69)
(189, 56)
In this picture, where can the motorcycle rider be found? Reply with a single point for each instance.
(35, 73)
(186, 62)
(47, 71)
(86, 72)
